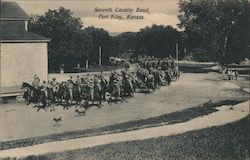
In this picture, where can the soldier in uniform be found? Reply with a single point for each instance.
(78, 80)
(70, 88)
(70, 79)
(44, 88)
(91, 86)
(51, 96)
(54, 84)
(126, 65)
(103, 83)
(36, 81)
(168, 77)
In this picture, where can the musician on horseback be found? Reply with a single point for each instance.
(150, 81)
(157, 77)
(97, 89)
(35, 81)
(70, 84)
(127, 86)
(54, 84)
(167, 77)
(35, 84)
(112, 78)
(103, 83)
(91, 86)
(134, 80)
(78, 80)
(44, 88)
(50, 95)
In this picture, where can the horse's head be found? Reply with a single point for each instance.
(25, 85)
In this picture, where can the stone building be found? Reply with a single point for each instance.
(23, 53)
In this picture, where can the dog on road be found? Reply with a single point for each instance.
(57, 121)
(81, 113)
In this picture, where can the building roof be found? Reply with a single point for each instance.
(12, 11)
(22, 37)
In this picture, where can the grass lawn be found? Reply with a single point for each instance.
(228, 142)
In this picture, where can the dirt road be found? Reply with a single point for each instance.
(20, 121)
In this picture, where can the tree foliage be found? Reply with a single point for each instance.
(65, 33)
(96, 38)
(156, 40)
(218, 26)
(71, 44)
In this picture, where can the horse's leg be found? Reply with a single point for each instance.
(38, 108)
(100, 100)
(28, 100)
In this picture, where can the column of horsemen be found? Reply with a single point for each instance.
(89, 89)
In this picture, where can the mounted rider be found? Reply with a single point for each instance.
(134, 80)
(78, 80)
(127, 84)
(104, 84)
(35, 81)
(91, 85)
(35, 84)
(44, 88)
(150, 80)
(54, 84)
(157, 76)
(112, 79)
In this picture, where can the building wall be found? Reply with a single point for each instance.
(20, 61)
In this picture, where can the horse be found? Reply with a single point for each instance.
(85, 93)
(150, 81)
(28, 93)
(104, 84)
(34, 95)
(61, 93)
(176, 73)
(97, 94)
(127, 88)
(158, 78)
(76, 95)
(114, 89)
(90, 93)
(167, 77)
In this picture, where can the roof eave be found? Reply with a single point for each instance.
(25, 41)
(14, 19)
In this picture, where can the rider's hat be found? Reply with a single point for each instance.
(35, 76)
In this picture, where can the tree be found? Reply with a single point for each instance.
(97, 37)
(66, 46)
(157, 40)
(126, 42)
(218, 26)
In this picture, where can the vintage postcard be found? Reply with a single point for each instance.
(124, 79)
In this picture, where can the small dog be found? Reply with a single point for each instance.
(80, 113)
(57, 121)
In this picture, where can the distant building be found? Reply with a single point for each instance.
(23, 53)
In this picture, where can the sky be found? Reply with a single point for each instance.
(161, 12)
